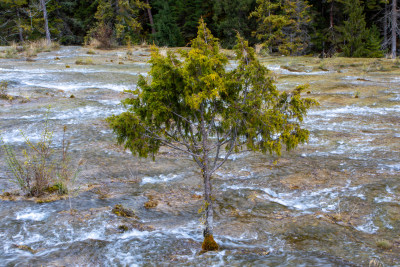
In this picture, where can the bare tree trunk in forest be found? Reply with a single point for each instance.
(385, 27)
(21, 37)
(394, 28)
(331, 16)
(153, 30)
(46, 22)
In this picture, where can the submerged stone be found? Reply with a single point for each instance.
(150, 204)
(120, 210)
(26, 248)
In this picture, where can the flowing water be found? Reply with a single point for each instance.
(328, 203)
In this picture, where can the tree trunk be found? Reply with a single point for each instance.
(385, 26)
(46, 22)
(331, 16)
(21, 37)
(209, 243)
(394, 28)
(153, 30)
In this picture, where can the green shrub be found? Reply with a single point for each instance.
(11, 53)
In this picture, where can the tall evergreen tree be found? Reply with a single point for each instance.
(353, 30)
(230, 17)
(357, 39)
(117, 20)
(167, 30)
(187, 14)
(373, 43)
(270, 24)
(76, 19)
(297, 32)
(13, 23)
(283, 25)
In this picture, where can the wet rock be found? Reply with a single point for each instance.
(128, 226)
(296, 68)
(173, 201)
(26, 248)
(150, 204)
(375, 262)
(308, 230)
(120, 210)
(314, 179)
(123, 228)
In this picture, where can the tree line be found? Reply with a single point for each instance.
(353, 28)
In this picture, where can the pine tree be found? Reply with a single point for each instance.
(167, 30)
(357, 39)
(270, 24)
(298, 11)
(283, 25)
(13, 23)
(373, 43)
(187, 14)
(117, 20)
(230, 17)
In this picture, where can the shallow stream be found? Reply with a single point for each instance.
(330, 202)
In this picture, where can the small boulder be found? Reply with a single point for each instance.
(120, 210)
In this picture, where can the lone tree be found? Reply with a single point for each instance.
(196, 105)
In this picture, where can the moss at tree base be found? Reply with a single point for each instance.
(209, 244)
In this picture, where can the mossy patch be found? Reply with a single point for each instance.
(123, 228)
(84, 61)
(120, 210)
(151, 204)
(209, 244)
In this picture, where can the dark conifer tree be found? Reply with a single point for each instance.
(167, 30)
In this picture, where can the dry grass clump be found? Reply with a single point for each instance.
(29, 49)
(384, 244)
(35, 47)
(4, 90)
(38, 173)
(11, 52)
(91, 52)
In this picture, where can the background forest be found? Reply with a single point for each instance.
(353, 28)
